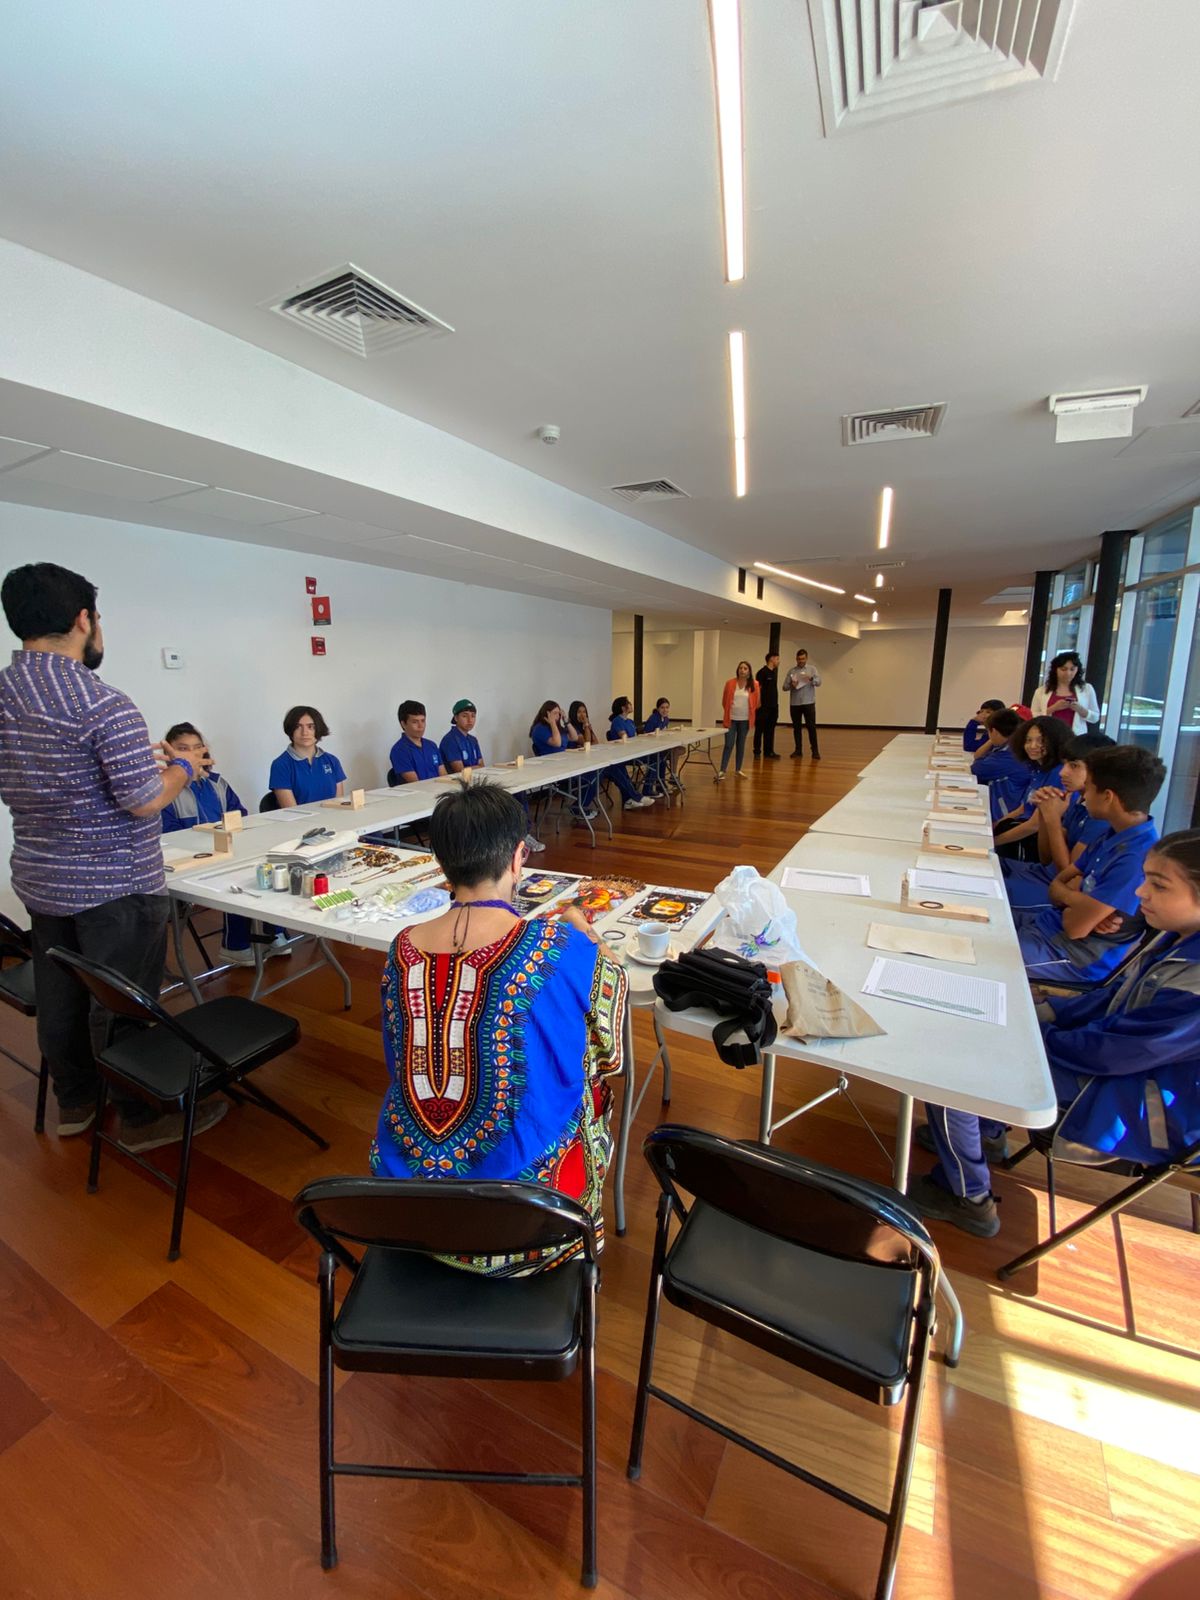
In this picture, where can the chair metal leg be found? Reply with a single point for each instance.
(39, 1115)
(328, 1529)
(181, 961)
(1051, 1193)
(93, 1178)
(252, 1092)
(181, 1183)
(588, 1373)
(1010, 1162)
(1195, 1199)
(1101, 1213)
(653, 1300)
(904, 1464)
(666, 1059)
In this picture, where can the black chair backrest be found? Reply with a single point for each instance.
(791, 1197)
(268, 802)
(393, 778)
(15, 943)
(122, 998)
(449, 1216)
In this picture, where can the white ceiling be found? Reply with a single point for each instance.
(543, 177)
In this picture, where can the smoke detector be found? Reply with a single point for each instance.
(549, 433)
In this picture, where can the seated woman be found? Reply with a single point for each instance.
(549, 735)
(1125, 1059)
(207, 799)
(1039, 746)
(499, 1034)
(658, 767)
(305, 774)
(622, 726)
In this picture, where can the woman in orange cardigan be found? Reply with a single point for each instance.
(739, 703)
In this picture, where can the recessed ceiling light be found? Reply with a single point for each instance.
(885, 518)
(737, 407)
(782, 572)
(865, 598)
(879, 580)
(726, 24)
(874, 616)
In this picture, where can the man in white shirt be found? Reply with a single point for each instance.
(802, 681)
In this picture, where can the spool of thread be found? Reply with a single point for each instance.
(310, 879)
(320, 883)
(296, 879)
(279, 879)
(264, 875)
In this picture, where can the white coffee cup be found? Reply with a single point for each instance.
(653, 943)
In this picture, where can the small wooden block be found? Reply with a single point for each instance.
(358, 799)
(222, 842)
(979, 851)
(520, 761)
(957, 813)
(231, 821)
(928, 907)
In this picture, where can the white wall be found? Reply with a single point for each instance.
(667, 662)
(883, 677)
(241, 617)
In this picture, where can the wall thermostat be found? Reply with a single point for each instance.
(172, 660)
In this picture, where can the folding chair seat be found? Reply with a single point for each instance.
(18, 991)
(829, 1272)
(408, 1312)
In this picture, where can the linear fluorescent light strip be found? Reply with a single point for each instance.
(782, 572)
(737, 407)
(726, 24)
(885, 518)
(865, 598)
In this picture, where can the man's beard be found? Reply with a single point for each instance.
(92, 656)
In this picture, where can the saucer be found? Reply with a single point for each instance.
(647, 961)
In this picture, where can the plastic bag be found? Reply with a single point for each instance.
(758, 922)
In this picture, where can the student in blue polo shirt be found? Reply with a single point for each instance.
(460, 748)
(1039, 746)
(995, 764)
(622, 726)
(975, 733)
(658, 720)
(549, 736)
(1093, 912)
(1065, 827)
(414, 757)
(207, 799)
(305, 774)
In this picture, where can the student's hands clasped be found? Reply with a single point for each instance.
(1051, 802)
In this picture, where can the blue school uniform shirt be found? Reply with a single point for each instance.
(539, 736)
(974, 735)
(1040, 780)
(212, 797)
(309, 781)
(1006, 777)
(655, 721)
(423, 759)
(459, 746)
(1112, 870)
(619, 725)
(1080, 827)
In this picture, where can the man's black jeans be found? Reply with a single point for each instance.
(801, 716)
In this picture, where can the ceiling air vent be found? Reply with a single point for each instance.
(878, 59)
(903, 422)
(357, 312)
(656, 489)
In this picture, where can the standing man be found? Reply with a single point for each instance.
(85, 790)
(767, 714)
(803, 680)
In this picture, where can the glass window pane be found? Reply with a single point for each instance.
(1074, 586)
(1185, 768)
(1157, 610)
(1067, 636)
(1165, 550)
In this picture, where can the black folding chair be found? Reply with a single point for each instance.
(174, 1063)
(269, 802)
(827, 1271)
(17, 990)
(406, 1312)
(1145, 1178)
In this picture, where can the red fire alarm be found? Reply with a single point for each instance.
(321, 613)
(310, 585)
(318, 645)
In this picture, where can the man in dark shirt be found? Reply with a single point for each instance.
(767, 714)
(85, 789)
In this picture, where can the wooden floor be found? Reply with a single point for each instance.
(158, 1422)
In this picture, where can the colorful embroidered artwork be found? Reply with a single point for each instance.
(536, 888)
(600, 896)
(669, 908)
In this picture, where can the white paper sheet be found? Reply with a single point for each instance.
(826, 882)
(924, 879)
(921, 942)
(952, 993)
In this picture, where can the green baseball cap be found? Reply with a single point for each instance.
(462, 705)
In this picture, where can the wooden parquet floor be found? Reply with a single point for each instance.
(158, 1421)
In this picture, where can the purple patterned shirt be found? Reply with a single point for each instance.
(74, 757)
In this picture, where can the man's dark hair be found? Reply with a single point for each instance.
(41, 601)
(1006, 722)
(1134, 775)
(771, 655)
(178, 729)
(409, 708)
(474, 831)
(991, 705)
(1055, 738)
(1079, 746)
(292, 719)
(802, 651)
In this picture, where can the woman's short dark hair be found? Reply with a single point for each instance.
(1134, 775)
(619, 704)
(177, 730)
(1080, 744)
(543, 715)
(409, 708)
(663, 700)
(41, 601)
(474, 831)
(1060, 660)
(292, 721)
(1005, 722)
(1055, 737)
(1183, 848)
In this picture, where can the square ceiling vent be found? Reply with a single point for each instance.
(878, 59)
(351, 309)
(652, 489)
(896, 424)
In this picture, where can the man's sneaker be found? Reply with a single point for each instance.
(235, 958)
(936, 1204)
(647, 800)
(994, 1150)
(278, 946)
(633, 805)
(75, 1119)
(169, 1129)
(534, 845)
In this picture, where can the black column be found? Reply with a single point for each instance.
(938, 665)
(1038, 612)
(773, 641)
(1104, 607)
(638, 626)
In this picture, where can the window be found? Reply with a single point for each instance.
(1145, 690)
(1075, 587)
(1166, 550)
(1184, 778)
